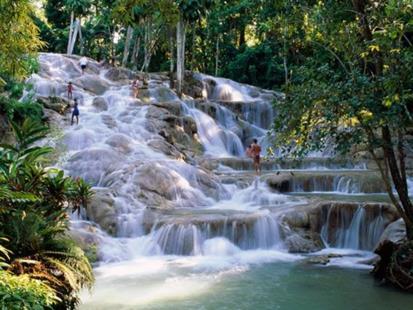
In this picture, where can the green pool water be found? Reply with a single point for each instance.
(273, 285)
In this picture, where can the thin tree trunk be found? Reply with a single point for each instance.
(128, 39)
(82, 46)
(69, 42)
(171, 63)
(135, 54)
(147, 48)
(74, 37)
(217, 56)
(180, 54)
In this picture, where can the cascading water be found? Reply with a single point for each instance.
(174, 224)
(218, 141)
(358, 229)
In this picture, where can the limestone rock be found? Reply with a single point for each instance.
(118, 74)
(100, 104)
(305, 242)
(394, 232)
(92, 84)
(57, 104)
(101, 210)
(279, 183)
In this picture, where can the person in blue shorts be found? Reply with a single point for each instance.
(75, 112)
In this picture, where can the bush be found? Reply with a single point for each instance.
(24, 293)
(18, 111)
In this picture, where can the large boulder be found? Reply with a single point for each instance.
(101, 210)
(394, 232)
(303, 242)
(121, 74)
(92, 84)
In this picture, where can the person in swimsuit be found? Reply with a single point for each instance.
(70, 90)
(75, 113)
(256, 156)
(135, 88)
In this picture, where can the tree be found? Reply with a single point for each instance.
(355, 88)
(189, 12)
(77, 8)
(18, 36)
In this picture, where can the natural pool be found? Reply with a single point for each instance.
(248, 280)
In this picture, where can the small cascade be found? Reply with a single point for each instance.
(218, 141)
(354, 183)
(358, 228)
(189, 238)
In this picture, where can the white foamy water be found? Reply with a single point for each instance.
(223, 229)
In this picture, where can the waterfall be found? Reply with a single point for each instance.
(217, 140)
(352, 229)
(190, 238)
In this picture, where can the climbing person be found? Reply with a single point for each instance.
(135, 88)
(69, 90)
(83, 64)
(256, 156)
(75, 112)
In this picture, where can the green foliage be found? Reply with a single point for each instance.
(34, 208)
(24, 293)
(18, 111)
(17, 50)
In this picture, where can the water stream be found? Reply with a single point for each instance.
(211, 244)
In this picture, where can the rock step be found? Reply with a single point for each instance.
(314, 164)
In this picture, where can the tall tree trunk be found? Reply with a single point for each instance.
(171, 62)
(81, 41)
(135, 52)
(217, 56)
(128, 40)
(147, 45)
(285, 63)
(398, 175)
(74, 37)
(180, 54)
(69, 42)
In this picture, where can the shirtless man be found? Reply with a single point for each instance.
(256, 156)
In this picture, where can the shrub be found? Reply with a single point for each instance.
(23, 293)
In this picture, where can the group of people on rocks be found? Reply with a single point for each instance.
(75, 112)
(253, 151)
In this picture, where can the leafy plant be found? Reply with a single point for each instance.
(34, 207)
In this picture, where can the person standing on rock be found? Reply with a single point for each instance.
(75, 113)
(69, 90)
(83, 64)
(256, 156)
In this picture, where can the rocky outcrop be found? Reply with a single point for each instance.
(91, 84)
(179, 132)
(57, 104)
(303, 225)
(279, 183)
(394, 232)
(101, 210)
